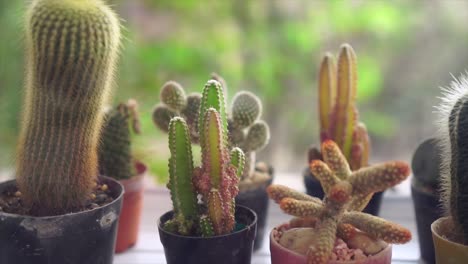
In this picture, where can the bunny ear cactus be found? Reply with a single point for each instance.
(337, 110)
(72, 49)
(454, 130)
(115, 155)
(215, 180)
(175, 102)
(345, 192)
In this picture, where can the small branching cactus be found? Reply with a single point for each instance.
(72, 49)
(337, 110)
(175, 102)
(454, 130)
(215, 180)
(338, 215)
(115, 154)
(246, 130)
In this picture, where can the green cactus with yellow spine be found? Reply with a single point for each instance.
(72, 50)
(215, 180)
(338, 215)
(115, 153)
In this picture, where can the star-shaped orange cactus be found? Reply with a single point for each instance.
(346, 194)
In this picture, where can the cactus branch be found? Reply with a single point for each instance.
(327, 94)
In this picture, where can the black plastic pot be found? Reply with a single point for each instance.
(427, 208)
(314, 188)
(83, 237)
(257, 200)
(234, 248)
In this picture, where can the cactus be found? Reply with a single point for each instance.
(426, 166)
(245, 129)
(339, 212)
(115, 157)
(174, 102)
(453, 127)
(337, 111)
(215, 180)
(72, 50)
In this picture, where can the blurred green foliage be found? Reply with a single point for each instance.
(272, 47)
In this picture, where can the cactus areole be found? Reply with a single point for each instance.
(339, 215)
(72, 49)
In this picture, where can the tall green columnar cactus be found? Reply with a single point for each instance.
(337, 110)
(115, 153)
(72, 50)
(215, 180)
(184, 198)
(338, 214)
(454, 127)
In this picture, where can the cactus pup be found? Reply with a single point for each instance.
(338, 215)
(72, 50)
(215, 180)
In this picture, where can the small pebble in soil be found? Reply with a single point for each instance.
(92, 196)
(94, 205)
(17, 194)
(104, 187)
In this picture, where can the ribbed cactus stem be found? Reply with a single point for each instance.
(327, 94)
(344, 109)
(238, 160)
(115, 154)
(184, 198)
(72, 48)
(457, 182)
(213, 97)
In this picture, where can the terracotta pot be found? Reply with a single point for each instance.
(129, 222)
(282, 255)
(447, 251)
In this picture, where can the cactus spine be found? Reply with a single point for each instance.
(215, 180)
(115, 154)
(345, 193)
(453, 124)
(72, 50)
(337, 110)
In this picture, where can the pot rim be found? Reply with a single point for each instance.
(102, 177)
(247, 227)
(439, 236)
(300, 256)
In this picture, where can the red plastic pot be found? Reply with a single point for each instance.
(282, 255)
(129, 221)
